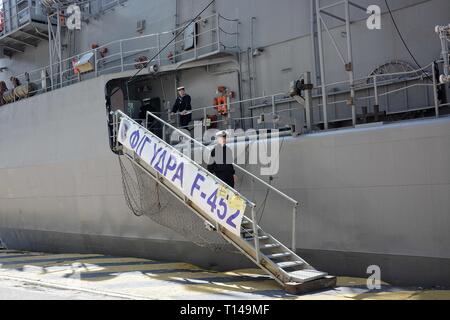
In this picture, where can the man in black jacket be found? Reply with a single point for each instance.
(221, 160)
(183, 106)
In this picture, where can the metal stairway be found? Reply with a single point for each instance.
(292, 272)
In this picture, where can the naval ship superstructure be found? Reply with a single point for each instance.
(362, 113)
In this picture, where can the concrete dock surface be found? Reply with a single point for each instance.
(42, 276)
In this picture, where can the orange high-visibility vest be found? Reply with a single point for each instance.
(221, 105)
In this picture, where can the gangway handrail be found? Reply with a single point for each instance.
(249, 202)
(294, 202)
(234, 164)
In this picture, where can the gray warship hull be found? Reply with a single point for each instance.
(370, 196)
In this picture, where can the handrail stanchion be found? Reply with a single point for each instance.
(237, 36)
(96, 62)
(218, 32)
(308, 104)
(294, 228)
(78, 74)
(256, 235)
(205, 116)
(435, 87)
(116, 129)
(229, 120)
(350, 65)
(158, 44)
(146, 121)
(375, 91)
(195, 41)
(164, 132)
(322, 69)
(273, 112)
(121, 55)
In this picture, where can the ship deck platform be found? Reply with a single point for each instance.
(92, 276)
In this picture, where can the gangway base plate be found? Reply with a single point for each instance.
(328, 282)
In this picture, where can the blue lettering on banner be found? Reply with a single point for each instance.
(134, 139)
(144, 141)
(212, 200)
(195, 185)
(159, 166)
(179, 174)
(230, 220)
(223, 204)
(170, 166)
(155, 153)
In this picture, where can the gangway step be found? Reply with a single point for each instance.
(279, 255)
(307, 275)
(290, 264)
(244, 231)
(270, 246)
(260, 238)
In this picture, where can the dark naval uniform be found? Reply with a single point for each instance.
(183, 104)
(222, 165)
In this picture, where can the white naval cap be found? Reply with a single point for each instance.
(222, 133)
(180, 88)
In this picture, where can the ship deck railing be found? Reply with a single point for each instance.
(280, 111)
(393, 94)
(211, 35)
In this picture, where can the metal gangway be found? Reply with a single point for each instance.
(223, 209)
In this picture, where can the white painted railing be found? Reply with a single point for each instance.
(213, 34)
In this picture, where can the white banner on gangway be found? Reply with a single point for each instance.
(215, 198)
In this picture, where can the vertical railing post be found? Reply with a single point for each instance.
(256, 235)
(50, 50)
(79, 74)
(146, 120)
(195, 41)
(116, 129)
(96, 62)
(294, 228)
(60, 48)
(112, 124)
(435, 87)
(273, 112)
(229, 119)
(350, 65)
(322, 66)
(237, 36)
(375, 91)
(308, 103)
(121, 56)
(205, 118)
(218, 32)
(158, 44)
(163, 132)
